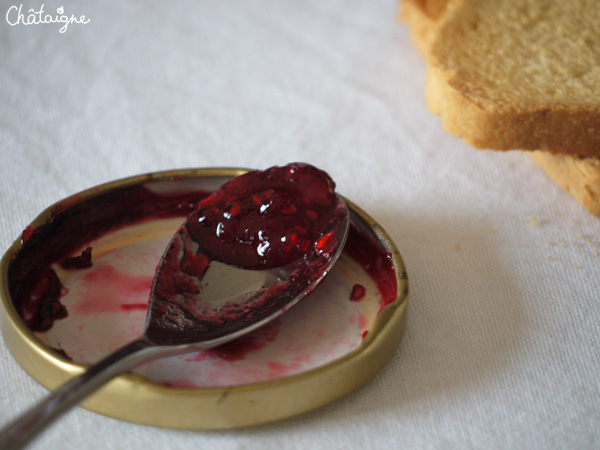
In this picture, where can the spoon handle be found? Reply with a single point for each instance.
(23, 429)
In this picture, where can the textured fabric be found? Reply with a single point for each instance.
(502, 348)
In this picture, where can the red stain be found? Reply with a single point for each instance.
(240, 348)
(108, 289)
(279, 370)
(304, 357)
(135, 307)
(363, 322)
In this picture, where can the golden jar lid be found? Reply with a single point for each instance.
(322, 349)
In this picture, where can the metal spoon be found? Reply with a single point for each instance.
(233, 302)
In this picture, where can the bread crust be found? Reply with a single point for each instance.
(485, 125)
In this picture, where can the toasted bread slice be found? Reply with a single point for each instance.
(580, 176)
(518, 74)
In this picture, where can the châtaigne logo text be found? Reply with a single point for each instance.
(17, 15)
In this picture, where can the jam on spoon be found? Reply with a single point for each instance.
(250, 251)
(276, 229)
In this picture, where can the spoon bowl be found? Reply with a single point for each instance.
(198, 301)
(232, 301)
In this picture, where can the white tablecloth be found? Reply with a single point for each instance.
(502, 348)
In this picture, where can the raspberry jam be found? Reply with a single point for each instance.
(258, 221)
(82, 261)
(265, 219)
(33, 284)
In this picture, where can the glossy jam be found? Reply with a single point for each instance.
(265, 219)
